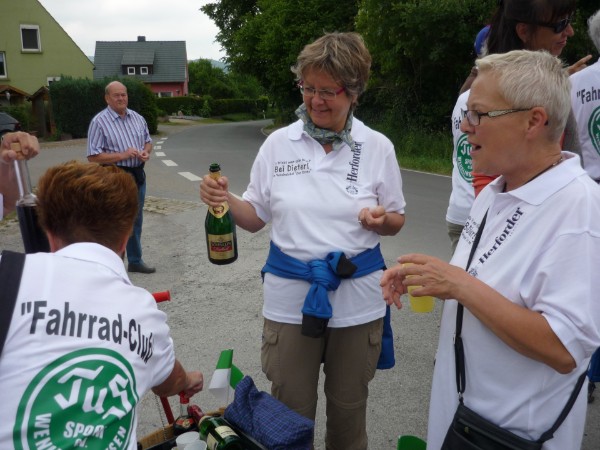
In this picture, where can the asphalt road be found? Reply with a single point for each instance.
(218, 307)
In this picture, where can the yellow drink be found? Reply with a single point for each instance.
(423, 304)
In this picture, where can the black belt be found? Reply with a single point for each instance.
(137, 173)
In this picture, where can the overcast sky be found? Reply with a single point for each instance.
(88, 21)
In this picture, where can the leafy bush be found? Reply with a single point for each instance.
(229, 106)
(76, 101)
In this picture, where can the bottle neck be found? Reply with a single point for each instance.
(215, 176)
(26, 196)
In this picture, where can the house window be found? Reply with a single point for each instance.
(165, 94)
(144, 70)
(30, 38)
(2, 65)
(130, 70)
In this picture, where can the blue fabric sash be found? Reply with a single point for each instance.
(325, 275)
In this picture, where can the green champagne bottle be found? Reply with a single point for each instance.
(221, 239)
(219, 435)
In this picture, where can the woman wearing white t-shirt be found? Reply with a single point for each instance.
(330, 186)
(531, 318)
(515, 25)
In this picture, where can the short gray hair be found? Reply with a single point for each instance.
(111, 84)
(594, 29)
(343, 56)
(528, 79)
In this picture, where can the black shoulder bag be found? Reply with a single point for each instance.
(11, 269)
(470, 431)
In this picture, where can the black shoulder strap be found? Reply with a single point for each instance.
(549, 434)
(459, 356)
(11, 269)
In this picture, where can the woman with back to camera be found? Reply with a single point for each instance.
(515, 25)
(330, 186)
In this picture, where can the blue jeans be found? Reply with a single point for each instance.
(594, 372)
(134, 244)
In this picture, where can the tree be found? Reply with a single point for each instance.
(263, 38)
(422, 52)
(205, 79)
(580, 44)
(203, 76)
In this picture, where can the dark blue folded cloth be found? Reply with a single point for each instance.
(267, 420)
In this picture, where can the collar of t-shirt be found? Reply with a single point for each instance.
(92, 252)
(538, 190)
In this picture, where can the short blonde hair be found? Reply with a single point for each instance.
(527, 79)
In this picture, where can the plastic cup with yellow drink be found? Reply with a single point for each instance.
(422, 304)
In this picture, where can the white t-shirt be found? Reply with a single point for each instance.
(313, 200)
(540, 248)
(84, 345)
(463, 194)
(585, 100)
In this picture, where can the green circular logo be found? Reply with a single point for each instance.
(594, 128)
(85, 399)
(463, 159)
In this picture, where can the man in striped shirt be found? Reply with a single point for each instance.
(118, 135)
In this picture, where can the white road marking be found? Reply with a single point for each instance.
(161, 154)
(190, 176)
(169, 163)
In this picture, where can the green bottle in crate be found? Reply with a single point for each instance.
(219, 435)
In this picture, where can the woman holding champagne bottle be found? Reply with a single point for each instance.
(329, 186)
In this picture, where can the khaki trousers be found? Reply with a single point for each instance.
(454, 232)
(349, 356)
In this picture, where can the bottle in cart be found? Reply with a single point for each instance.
(184, 422)
(221, 239)
(219, 435)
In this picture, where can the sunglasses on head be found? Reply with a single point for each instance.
(558, 27)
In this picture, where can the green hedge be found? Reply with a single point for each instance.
(196, 106)
(189, 106)
(229, 106)
(76, 101)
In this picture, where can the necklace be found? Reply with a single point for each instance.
(554, 164)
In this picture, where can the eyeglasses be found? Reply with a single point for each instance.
(557, 27)
(474, 117)
(325, 94)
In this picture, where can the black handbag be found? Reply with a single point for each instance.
(469, 430)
